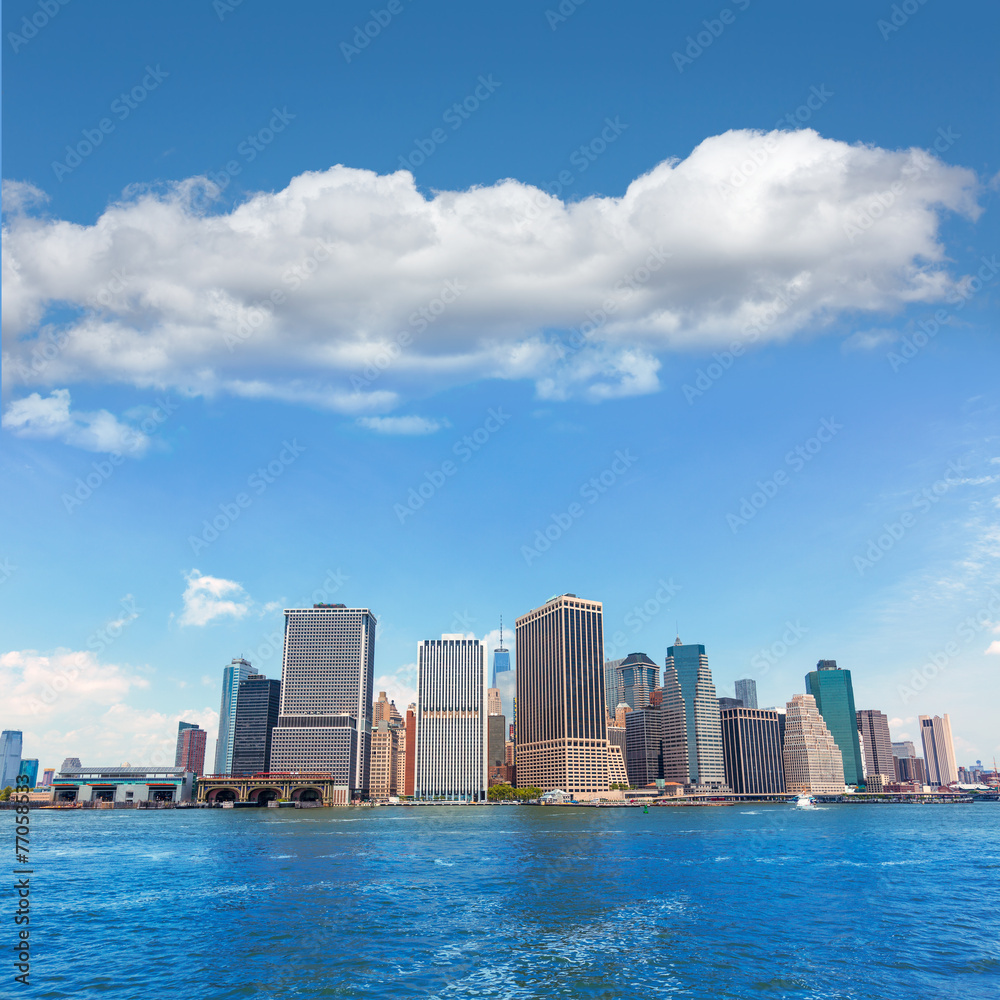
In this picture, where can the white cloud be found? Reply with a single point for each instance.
(994, 648)
(870, 340)
(478, 280)
(50, 417)
(402, 425)
(40, 685)
(399, 686)
(207, 598)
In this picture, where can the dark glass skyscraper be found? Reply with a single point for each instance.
(232, 675)
(751, 741)
(644, 746)
(257, 705)
(834, 694)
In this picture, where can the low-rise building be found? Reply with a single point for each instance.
(122, 785)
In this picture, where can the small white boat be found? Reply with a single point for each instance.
(803, 801)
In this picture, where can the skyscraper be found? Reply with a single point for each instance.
(493, 702)
(496, 740)
(876, 743)
(611, 685)
(562, 734)
(451, 719)
(385, 710)
(70, 762)
(704, 730)
(327, 677)
(191, 748)
(29, 770)
(385, 749)
(47, 775)
(939, 749)
(257, 708)
(638, 676)
(501, 658)
(751, 743)
(834, 694)
(644, 746)
(238, 670)
(10, 757)
(675, 733)
(411, 750)
(746, 691)
(813, 762)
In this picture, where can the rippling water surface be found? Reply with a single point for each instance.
(767, 901)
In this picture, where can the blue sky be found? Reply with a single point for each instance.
(613, 304)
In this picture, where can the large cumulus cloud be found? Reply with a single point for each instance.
(350, 290)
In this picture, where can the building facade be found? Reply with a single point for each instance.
(746, 691)
(493, 703)
(190, 753)
(327, 677)
(644, 746)
(834, 694)
(11, 741)
(501, 659)
(29, 770)
(238, 670)
(939, 749)
(562, 734)
(410, 754)
(813, 761)
(257, 708)
(122, 785)
(384, 762)
(876, 744)
(496, 740)
(701, 706)
(47, 775)
(638, 677)
(611, 685)
(751, 745)
(675, 738)
(451, 719)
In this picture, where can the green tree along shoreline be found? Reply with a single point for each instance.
(506, 793)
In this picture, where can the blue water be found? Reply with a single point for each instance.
(746, 901)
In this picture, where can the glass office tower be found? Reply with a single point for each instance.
(704, 728)
(238, 670)
(834, 694)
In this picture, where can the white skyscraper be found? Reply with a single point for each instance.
(939, 750)
(327, 680)
(451, 719)
(238, 670)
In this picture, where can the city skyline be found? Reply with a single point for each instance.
(684, 408)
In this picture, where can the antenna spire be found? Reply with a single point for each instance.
(501, 631)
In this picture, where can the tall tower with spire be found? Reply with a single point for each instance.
(501, 657)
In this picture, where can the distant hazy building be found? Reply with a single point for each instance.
(910, 769)
(834, 694)
(746, 691)
(904, 748)
(257, 707)
(190, 754)
(29, 770)
(238, 670)
(751, 743)
(10, 757)
(562, 735)
(493, 703)
(939, 749)
(727, 703)
(327, 680)
(47, 776)
(611, 694)
(876, 743)
(813, 762)
(70, 762)
(451, 719)
(701, 705)
(638, 676)
(670, 699)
